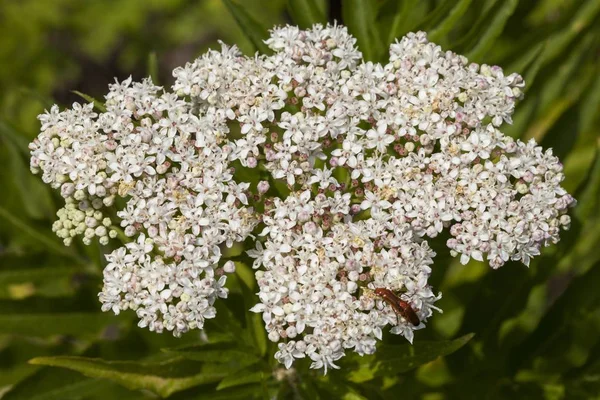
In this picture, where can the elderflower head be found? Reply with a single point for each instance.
(338, 170)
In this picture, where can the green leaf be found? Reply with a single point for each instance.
(580, 160)
(254, 321)
(399, 23)
(14, 136)
(359, 16)
(34, 195)
(53, 383)
(589, 196)
(565, 73)
(42, 325)
(153, 67)
(252, 28)
(246, 275)
(45, 282)
(574, 322)
(97, 104)
(254, 373)
(439, 31)
(163, 378)
(337, 389)
(246, 392)
(220, 352)
(259, 334)
(493, 29)
(586, 13)
(561, 102)
(589, 107)
(436, 16)
(31, 93)
(534, 68)
(528, 58)
(396, 359)
(305, 13)
(49, 242)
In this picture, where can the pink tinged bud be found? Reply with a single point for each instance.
(263, 187)
(270, 155)
(252, 162)
(303, 216)
(152, 231)
(311, 228)
(110, 145)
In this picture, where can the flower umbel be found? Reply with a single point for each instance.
(338, 171)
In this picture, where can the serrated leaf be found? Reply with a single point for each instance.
(43, 325)
(305, 13)
(396, 359)
(359, 17)
(252, 28)
(439, 31)
(98, 105)
(494, 28)
(163, 378)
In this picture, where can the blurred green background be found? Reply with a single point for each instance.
(536, 330)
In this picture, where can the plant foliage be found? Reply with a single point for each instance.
(516, 332)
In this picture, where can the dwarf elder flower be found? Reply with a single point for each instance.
(337, 170)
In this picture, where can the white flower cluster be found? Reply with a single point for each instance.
(339, 170)
(317, 289)
(162, 170)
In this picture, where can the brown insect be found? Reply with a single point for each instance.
(400, 307)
